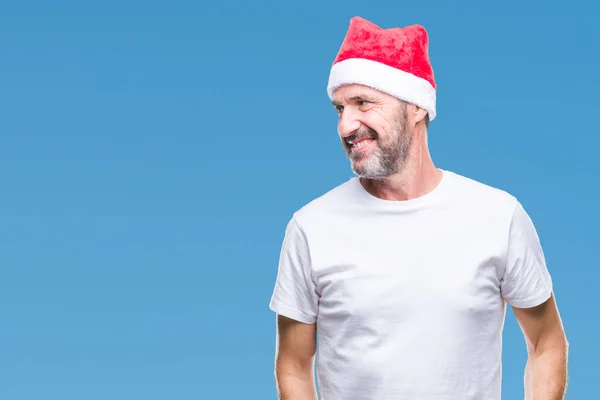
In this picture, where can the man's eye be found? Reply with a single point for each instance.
(339, 109)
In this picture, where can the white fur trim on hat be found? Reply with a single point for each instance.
(393, 81)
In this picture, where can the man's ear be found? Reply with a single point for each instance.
(416, 114)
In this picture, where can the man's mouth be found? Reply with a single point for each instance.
(358, 145)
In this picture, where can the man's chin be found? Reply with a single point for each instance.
(363, 171)
(370, 170)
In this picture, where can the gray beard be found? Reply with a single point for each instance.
(389, 157)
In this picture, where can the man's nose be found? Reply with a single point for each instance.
(348, 122)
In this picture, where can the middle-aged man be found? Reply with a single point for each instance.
(403, 272)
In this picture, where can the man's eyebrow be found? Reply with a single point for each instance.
(360, 97)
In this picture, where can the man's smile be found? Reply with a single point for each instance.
(359, 145)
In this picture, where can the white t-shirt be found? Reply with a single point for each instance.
(409, 297)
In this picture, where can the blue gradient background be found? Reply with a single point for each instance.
(151, 154)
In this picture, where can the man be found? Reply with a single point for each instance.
(403, 273)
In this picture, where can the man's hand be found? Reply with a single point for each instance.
(547, 348)
(294, 361)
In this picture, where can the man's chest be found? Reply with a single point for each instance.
(389, 272)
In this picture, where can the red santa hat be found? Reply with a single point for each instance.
(394, 61)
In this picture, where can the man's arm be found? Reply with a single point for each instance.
(294, 360)
(547, 347)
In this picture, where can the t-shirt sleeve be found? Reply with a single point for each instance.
(527, 281)
(295, 294)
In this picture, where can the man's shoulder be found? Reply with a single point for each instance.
(464, 192)
(327, 203)
(477, 194)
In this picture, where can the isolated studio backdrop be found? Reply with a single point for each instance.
(152, 153)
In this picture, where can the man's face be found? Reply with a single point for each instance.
(373, 130)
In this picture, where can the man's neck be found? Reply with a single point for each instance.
(408, 185)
